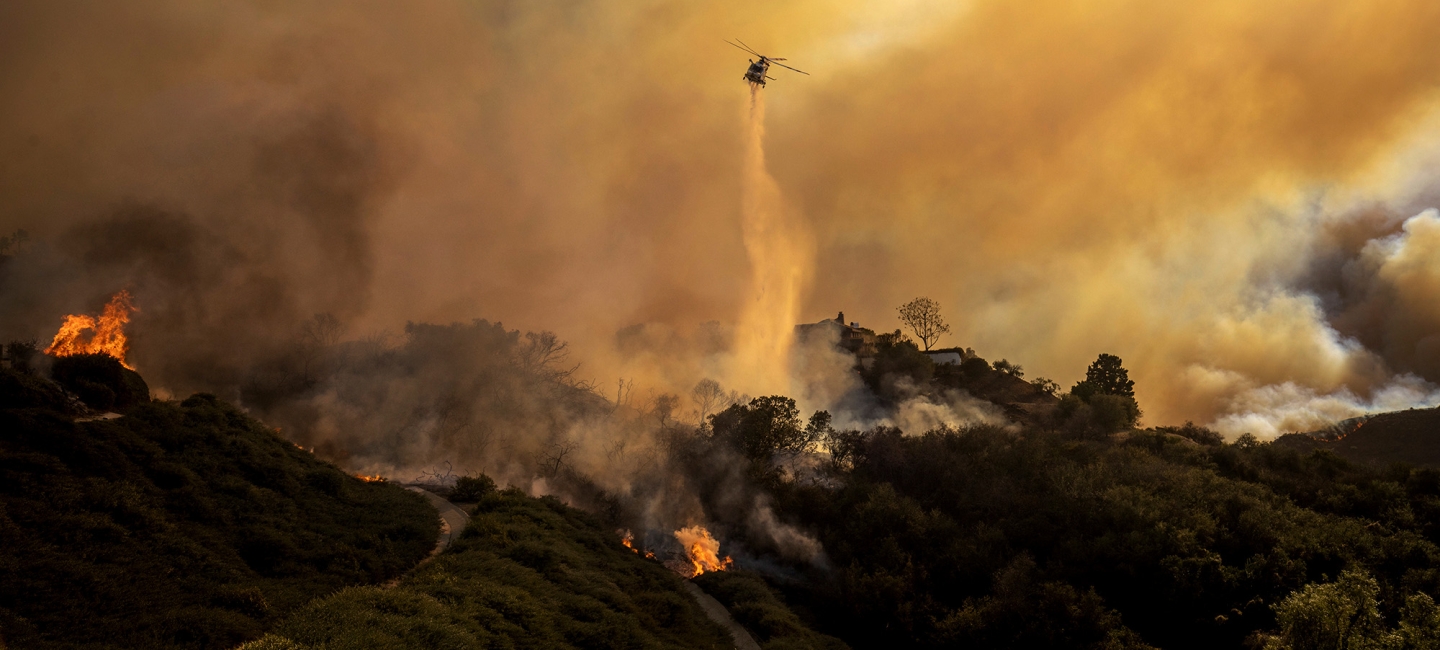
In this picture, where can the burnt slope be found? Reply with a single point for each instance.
(1411, 436)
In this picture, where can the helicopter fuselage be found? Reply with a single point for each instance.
(759, 70)
(756, 73)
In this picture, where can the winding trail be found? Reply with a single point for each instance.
(452, 518)
(718, 613)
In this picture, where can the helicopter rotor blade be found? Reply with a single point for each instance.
(743, 48)
(778, 59)
(790, 68)
(752, 50)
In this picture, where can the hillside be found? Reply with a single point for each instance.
(763, 613)
(179, 525)
(990, 538)
(526, 573)
(1411, 436)
(1020, 400)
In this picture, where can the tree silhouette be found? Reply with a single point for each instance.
(1109, 377)
(922, 316)
(707, 395)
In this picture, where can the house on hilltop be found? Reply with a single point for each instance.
(859, 341)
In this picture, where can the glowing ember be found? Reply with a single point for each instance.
(372, 478)
(106, 334)
(702, 550)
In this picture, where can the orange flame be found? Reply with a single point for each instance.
(372, 478)
(703, 551)
(107, 333)
(628, 540)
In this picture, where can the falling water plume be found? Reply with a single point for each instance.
(781, 252)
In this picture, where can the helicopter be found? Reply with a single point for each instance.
(757, 73)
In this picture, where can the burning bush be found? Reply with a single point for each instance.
(106, 333)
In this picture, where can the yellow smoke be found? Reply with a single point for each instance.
(1150, 179)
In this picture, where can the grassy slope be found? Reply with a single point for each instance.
(179, 525)
(527, 573)
(764, 614)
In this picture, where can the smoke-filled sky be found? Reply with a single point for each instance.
(1229, 195)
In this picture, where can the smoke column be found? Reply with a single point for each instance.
(781, 251)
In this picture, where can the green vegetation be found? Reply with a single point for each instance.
(527, 573)
(1070, 529)
(997, 539)
(1101, 404)
(1345, 614)
(1063, 533)
(757, 608)
(768, 426)
(185, 525)
(469, 489)
(899, 366)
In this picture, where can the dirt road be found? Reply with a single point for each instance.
(452, 518)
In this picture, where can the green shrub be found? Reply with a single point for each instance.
(469, 489)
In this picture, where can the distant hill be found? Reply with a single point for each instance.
(1411, 436)
(179, 525)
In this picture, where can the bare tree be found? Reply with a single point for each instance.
(922, 316)
(543, 355)
(707, 396)
(322, 331)
(663, 406)
(317, 335)
(623, 389)
(14, 244)
(552, 461)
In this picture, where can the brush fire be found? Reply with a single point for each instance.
(85, 334)
(628, 539)
(702, 551)
(371, 478)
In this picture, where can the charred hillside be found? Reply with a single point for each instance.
(1411, 437)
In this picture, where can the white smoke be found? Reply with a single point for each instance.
(1394, 279)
